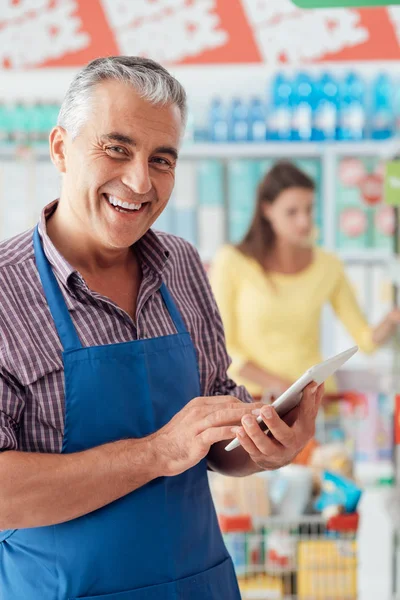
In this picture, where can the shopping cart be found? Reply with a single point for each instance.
(304, 559)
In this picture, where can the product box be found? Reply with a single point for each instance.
(363, 220)
(383, 228)
(47, 186)
(17, 180)
(184, 200)
(211, 208)
(374, 429)
(327, 569)
(165, 222)
(243, 178)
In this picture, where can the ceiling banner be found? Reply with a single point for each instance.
(343, 3)
(69, 33)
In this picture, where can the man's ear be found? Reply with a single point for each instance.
(57, 147)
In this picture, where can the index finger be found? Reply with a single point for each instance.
(227, 399)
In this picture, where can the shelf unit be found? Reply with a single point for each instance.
(327, 154)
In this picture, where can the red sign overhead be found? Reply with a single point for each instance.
(48, 33)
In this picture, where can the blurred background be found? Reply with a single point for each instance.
(266, 81)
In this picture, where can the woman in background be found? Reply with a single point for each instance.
(271, 289)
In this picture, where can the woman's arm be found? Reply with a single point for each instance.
(347, 308)
(267, 381)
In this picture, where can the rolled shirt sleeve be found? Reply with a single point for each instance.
(11, 409)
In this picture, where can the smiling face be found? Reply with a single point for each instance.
(119, 172)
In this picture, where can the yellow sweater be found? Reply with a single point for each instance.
(273, 319)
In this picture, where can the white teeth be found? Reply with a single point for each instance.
(126, 205)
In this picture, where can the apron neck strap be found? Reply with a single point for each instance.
(172, 309)
(58, 308)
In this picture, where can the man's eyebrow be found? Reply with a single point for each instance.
(167, 150)
(115, 136)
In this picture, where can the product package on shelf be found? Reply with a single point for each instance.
(243, 179)
(17, 185)
(211, 208)
(47, 185)
(373, 435)
(184, 201)
(165, 221)
(363, 220)
(302, 107)
(327, 569)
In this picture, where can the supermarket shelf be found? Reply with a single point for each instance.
(249, 150)
(233, 150)
(372, 473)
(368, 255)
(193, 151)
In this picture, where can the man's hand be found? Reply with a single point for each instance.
(289, 436)
(187, 438)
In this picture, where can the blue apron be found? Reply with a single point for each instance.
(160, 542)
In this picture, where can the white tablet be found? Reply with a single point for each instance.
(292, 397)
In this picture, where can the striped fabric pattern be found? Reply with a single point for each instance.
(31, 369)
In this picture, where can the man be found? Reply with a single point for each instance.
(114, 396)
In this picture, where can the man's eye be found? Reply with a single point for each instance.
(117, 149)
(162, 162)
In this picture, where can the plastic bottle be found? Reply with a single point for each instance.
(17, 123)
(189, 130)
(326, 112)
(238, 121)
(3, 123)
(352, 108)
(53, 108)
(218, 122)
(279, 118)
(257, 123)
(302, 106)
(382, 109)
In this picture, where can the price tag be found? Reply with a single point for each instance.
(392, 183)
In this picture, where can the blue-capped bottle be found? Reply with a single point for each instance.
(279, 110)
(218, 121)
(352, 115)
(302, 108)
(325, 118)
(382, 110)
(238, 121)
(257, 120)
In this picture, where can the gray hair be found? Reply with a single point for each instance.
(149, 79)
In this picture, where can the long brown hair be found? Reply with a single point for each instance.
(260, 237)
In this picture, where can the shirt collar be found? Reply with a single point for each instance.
(152, 253)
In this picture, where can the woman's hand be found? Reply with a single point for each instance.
(275, 389)
(386, 329)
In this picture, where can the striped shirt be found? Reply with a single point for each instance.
(31, 368)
